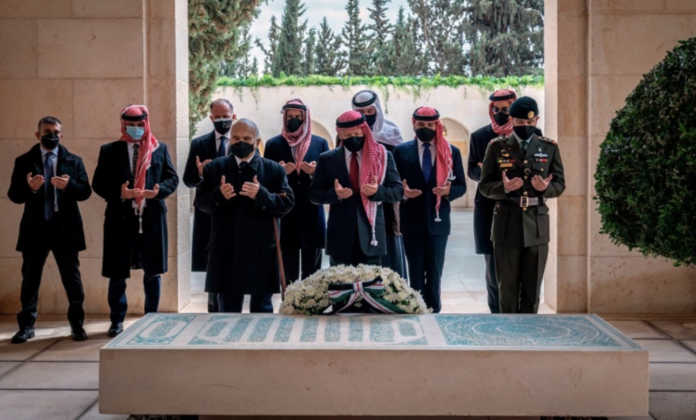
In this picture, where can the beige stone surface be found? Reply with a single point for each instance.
(672, 377)
(7, 366)
(572, 284)
(34, 8)
(637, 329)
(673, 405)
(68, 350)
(680, 6)
(572, 121)
(13, 352)
(46, 405)
(570, 55)
(609, 93)
(101, 9)
(90, 48)
(18, 40)
(678, 329)
(93, 414)
(614, 7)
(104, 99)
(31, 100)
(574, 152)
(667, 351)
(572, 225)
(690, 344)
(56, 375)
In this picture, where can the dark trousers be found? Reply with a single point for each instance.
(356, 257)
(310, 263)
(69, 267)
(520, 272)
(213, 305)
(118, 301)
(492, 284)
(426, 261)
(233, 302)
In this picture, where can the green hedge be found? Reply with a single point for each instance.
(646, 174)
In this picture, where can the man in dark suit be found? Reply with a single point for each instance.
(354, 179)
(501, 125)
(49, 181)
(203, 150)
(303, 230)
(244, 194)
(134, 175)
(433, 175)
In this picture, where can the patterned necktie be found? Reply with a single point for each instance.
(50, 189)
(221, 149)
(134, 164)
(355, 173)
(427, 162)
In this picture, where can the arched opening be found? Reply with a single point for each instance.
(318, 129)
(458, 135)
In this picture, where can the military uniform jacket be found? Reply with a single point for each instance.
(513, 225)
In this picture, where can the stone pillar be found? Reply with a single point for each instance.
(82, 61)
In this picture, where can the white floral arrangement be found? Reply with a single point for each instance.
(311, 295)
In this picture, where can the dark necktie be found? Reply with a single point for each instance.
(221, 149)
(524, 147)
(355, 173)
(49, 188)
(134, 164)
(427, 162)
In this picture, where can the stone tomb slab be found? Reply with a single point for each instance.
(373, 365)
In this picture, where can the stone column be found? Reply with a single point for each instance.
(82, 61)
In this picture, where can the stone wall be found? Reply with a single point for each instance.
(83, 61)
(596, 52)
(463, 111)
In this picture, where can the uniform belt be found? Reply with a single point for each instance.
(525, 201)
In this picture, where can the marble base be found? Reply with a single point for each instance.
(373, 365)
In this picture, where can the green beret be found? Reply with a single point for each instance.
(524, 108)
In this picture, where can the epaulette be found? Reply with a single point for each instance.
(548, 140)
(499, 139)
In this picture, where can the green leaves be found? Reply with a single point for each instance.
(646, 173)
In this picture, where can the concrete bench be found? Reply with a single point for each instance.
(373, 365)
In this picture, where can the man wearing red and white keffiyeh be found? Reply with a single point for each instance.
(355, 179)
(432, 174)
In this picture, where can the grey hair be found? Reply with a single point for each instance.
(251, 124)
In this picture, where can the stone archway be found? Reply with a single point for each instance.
(318, 129)
(458, 135)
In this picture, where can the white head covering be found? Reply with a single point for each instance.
(384, 131)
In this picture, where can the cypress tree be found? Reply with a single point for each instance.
(403, 57)
(381, 29)
(506, 37)
(288, 56)
(356, 42)
(242, 66)
(329, 60)
(269, 53)
(308, 66)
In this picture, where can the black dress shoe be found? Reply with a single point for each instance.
(79, 335)
(23, 335)
(115, 329)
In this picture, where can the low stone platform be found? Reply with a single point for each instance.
(373, 365)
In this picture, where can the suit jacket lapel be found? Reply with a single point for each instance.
(532, 147)
(287, 151)
(342, 166)
(210, 145)
(37, 159)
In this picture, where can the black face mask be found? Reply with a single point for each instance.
(354, 144)
(293, 124)
(501, 119)
(371, 119)
(50, 141)
(524, 131)
(242, 149)
(425, 134)
(222, 126)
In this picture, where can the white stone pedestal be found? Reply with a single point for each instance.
(373, 365)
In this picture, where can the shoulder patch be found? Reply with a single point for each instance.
(499, 139)
(548, 140)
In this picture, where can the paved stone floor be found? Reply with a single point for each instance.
(54, 378)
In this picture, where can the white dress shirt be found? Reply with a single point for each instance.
(421, 151)
(54, 163)
(349, 156)
(227, 141)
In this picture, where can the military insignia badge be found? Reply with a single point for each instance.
(530, 114)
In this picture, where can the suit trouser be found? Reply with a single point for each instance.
(310, 263)
(233, 302)
(492, 284)
(357, 257)
(426, 261)
(520, 272)
(69, 267)
(213, 305)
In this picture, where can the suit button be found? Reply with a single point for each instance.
(542, 169)
(525, 193)
(524, 208)
(525, 162)
(495, 212)
(525, 177)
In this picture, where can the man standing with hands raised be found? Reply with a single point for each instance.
(244, 194)
(203, 150)
(134, 175)
(521, 172)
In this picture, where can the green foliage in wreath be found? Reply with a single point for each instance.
(646, 174)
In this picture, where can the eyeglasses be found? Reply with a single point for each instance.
(497, 110)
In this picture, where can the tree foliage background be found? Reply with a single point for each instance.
(647, 165)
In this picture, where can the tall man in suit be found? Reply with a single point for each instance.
(521, 172)
(49, 181)
(244, 194)
(203, 150)
(501, 125)
(134, 175)
(355, 179)
(303, 230)
(433, 175)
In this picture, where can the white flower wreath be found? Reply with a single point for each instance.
(311, 296)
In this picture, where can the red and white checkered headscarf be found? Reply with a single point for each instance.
(373, 163)
(443, 151)
(501, 95)
(148, 144)
(302, 138)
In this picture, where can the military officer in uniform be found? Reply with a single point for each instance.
(521, 172)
